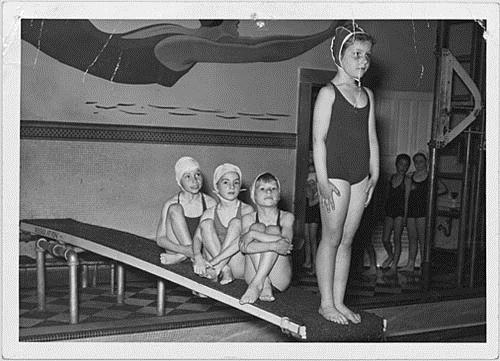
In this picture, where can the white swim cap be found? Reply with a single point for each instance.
(265, 177)
(223, 169)
(184, 165)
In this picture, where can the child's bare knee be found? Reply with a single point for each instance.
(274, 230)
(235, 222)
(258, 227)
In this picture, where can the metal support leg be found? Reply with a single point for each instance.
(112, 277)
(73, 286)
(160, 308)
(120, 286)
(94, 275)
(85, 275)
(40, 275)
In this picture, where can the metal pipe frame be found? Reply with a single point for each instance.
(160, 308)
(66, 252)
(464, 214)
(120, 283)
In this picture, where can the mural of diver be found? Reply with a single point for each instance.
(160, 53)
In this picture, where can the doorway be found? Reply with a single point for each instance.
(310, 82)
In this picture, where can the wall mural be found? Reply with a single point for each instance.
(161, 54)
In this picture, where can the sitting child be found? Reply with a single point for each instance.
(266, 241)
(181, 214)
(220, 229)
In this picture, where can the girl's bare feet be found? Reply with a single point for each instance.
(387, 263)
(251, 294)
(349, 314)
(267, 292)
(332, 314)
(227, 275)
(408, 268)
(167, 258)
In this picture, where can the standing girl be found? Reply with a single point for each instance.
(220, 229)
(417, 188)
(396, 206)
(181, 213)
(346, 158)
(312, 221)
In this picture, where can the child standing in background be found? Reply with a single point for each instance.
(220, 229)
(181, 213)
(312, 221)
(396, 206)
(346, 159)
(417, 188)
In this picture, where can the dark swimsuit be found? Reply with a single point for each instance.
(347, 141)
(193, 222)
(417, 202)
(278, 222)
(395, 203)
(219, 227)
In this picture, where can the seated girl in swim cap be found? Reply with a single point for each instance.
(266, 241)
(181, 213)
(220, 229)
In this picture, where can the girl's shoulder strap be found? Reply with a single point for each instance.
(203, 203)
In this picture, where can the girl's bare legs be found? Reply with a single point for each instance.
(307, 246)
(343, 261)
(386, 241)
(257, 269)
(420, 226)
(398, 230)
(411, 226)
(313, 231)
(176, 231)
(334, 251)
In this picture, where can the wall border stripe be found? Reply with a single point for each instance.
(44, 130)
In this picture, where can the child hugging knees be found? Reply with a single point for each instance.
(181, 213)
(216, 250)
(266, 242)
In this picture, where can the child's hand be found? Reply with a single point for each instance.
(283, 246)
(326, 195)
(199, 265)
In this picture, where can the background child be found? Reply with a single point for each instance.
(266, 242)
(220, 229)
(312, 221)
(346, 159)
(181, 213)
(417, 188)
(396, 207)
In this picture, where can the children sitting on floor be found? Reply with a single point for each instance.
(220, 229)
(181, 214)
(266, 242)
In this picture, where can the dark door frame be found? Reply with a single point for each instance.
(308, 79)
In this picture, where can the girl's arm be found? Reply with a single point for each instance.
(374, 149)
(321, 123)
(234, 231)
(161, 233)
(258, 242)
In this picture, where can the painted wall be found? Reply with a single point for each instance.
(124, 185)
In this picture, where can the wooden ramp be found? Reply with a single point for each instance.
(294, 310)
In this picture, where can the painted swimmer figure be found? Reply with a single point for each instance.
(160, 53)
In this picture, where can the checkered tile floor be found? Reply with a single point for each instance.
(99, 305)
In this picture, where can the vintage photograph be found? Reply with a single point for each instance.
(250, 177)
